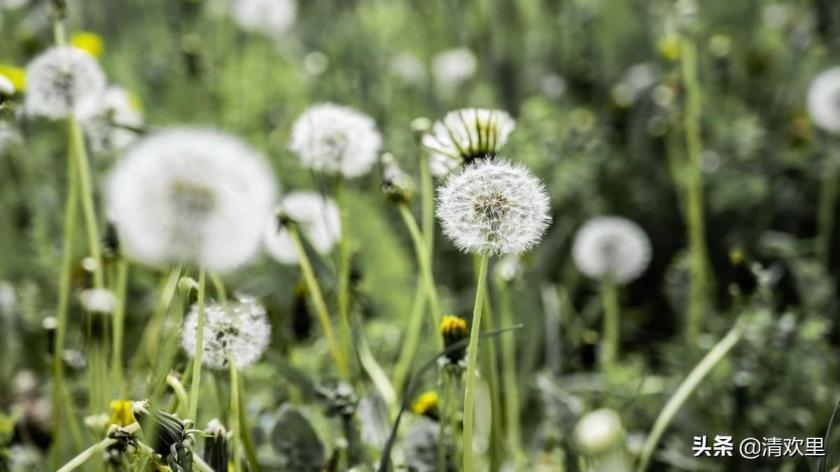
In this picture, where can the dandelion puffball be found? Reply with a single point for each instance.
(317, 218)
(465, 135)
(599, 432)
(271, 17)
(109, 119)
(191, 196)
(454, 66)
(611, 248)
(236, 331)
(824, 100)
(493, 207)
(336, 140)
(59, 80)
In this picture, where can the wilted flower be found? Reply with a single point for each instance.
(110, 120)
(191, 196)
(270, 17)
(61, 79)
(454, 66)
(598, 432)
(493, 207)
(336, 139)
(611, 248)
(170, 438)
(824, 100)
(98, 300)
(216, 453)
(316, 217)
(235, 332)
(465, 135)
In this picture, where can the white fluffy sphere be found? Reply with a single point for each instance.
(611, 248)
(824, 100)
(236, 332)
(59, 80)
(317, 218)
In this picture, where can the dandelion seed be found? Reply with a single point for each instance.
(824, 100)
(598, 432)
(612, 249)
(107, 118)
(235, 332)
(465, 135)
(98, 300)
(335, 139)
(269, 17)
(317, 218)
(61, 79)
(493, 207)
(191, 196)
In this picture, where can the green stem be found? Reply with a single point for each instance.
(345, 333)
(425, 266)
(511, 397)
(99, 447)
(245, 436)
(377, 374)
(234, 416)
(78, 152)
(472, 361)
(685, 389)
(825, 218)
(444, 409)
(151, 334)
(199, 348)
(694, 193)
(320, 305)
(611, 326)
(427, 201)
(219, 287)
(119, 326)
(412, 338)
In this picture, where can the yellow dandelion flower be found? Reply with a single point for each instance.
(15, 74)
(453, 326)
(426, 403)
(121, 414)
(92, 43)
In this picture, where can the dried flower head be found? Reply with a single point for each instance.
(59, 80)
(191, 196)
(216, 453)
(396, 184)
(612, 249)
(317, 218)
(598, 432)
(236, 331)
(170, 432)
(824, 100)
(463, 136)
(336, 140)
(269, 17)
(110, 120)
(493, 207)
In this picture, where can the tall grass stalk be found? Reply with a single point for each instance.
(234, 416)
(509, 377)
(97, 448)
(412, 338)
(118, 326)
(78, 152)
(344, 262)
(826, 208)
(472, 362)
(424, 263)
(320, 306)
(195, 387)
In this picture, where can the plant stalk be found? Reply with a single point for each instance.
(195, 387)
(472, 362)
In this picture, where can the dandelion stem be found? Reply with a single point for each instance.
(99, 447)
(119, 326)
(511, 397)
(151, 334)
(472, 361)
(199, 348)
(219, 287)
(234, 416)
(345, 333)
(320, 305)
(694, 193)
(825, 218)
(611, 326)
(412, 338)
(685, 389)
(180, 393)
(427, 201)
(420, 249)
(245, 436)
(79, 153)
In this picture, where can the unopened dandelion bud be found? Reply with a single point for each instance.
(396, 184)
(454, 330)
(599, 432)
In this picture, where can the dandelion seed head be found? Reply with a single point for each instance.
(598, 431)
(317, 218)
(336, 140)
(493, 207)
(824, 100)
(465, 135)
(612, 249)
(270, 17)
(106, 118)
(98, 300)
(453, 67)
(237, 331)
(59, 80)
(191, 196)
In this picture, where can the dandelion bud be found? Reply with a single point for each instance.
(463, 136)
(216, 453)
(396, 184)
(427, 405)
(167, 429)
(454, 329)
(420, 126)
(599, 432)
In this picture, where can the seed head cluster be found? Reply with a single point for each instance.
(235, 332)
(61, 79)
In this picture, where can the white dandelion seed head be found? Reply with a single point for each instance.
(191, 196)
(453, 67)
(106, 119)
(464, 135)
(317, 218)
(611, 248)
(98, 300)
(824, 100)
(59, 80)
(409, 69)
(336, 139)
(7, 88)
(270, 17)
(493, 207)
(599, 431)
(237, 331)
